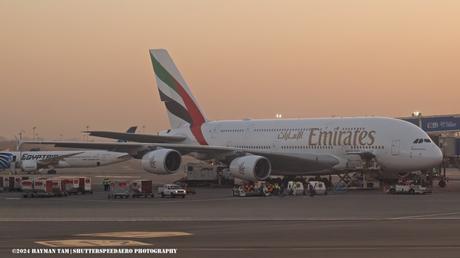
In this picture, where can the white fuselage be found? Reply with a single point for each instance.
(81, 159)
(390, 140)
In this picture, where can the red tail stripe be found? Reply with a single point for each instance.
(194, 111)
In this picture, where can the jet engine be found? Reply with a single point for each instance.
(251, 168)
(29, 165)
(162, 161)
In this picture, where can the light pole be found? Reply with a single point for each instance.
(418, 115)
(87, 134)
(33, 133)
(21, 133)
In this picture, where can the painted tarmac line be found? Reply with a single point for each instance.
(430, 215)
(108, 176)
(221, 219)
(90, 243)
(137, 234)
(127, 201)
(321, 248)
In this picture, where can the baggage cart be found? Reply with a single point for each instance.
(43, 187)
(58, 187)
(12, 183)
(118, 189)
(85, 185)
(142, 188)
(27, 187)
(70, 185)
(67, 186)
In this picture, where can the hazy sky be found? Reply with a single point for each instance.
(68, 64)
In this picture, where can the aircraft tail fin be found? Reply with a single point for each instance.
(5, 160)
(181, 105)
(132, 129)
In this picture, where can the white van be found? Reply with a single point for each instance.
(318, 186)
(295, 188)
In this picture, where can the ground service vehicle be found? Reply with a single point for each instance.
(171, 190)
(253, 189)
(141, 188)
(42, 187)
(119, 189)
(409, 189)
(295, 188)
(318, 187)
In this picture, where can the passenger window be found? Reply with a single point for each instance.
(427, 140)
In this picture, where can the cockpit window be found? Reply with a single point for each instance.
(420, 140)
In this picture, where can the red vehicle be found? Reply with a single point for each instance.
(12, 183)
(142, 188)
(119, 189)
(42, 187)
(76, 185)
(85, 185)
(27, 187)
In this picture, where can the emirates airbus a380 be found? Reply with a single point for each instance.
(255, 149)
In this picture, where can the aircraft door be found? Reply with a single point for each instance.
(395, 145)
(247, 130)
(215, 131)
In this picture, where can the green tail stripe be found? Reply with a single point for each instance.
(163, 74)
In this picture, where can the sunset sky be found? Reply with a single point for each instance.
(68, 64)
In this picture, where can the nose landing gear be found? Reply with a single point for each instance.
(443, 181)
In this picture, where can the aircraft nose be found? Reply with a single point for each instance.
(436, 156)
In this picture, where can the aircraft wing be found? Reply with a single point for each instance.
(291, 162)
(52, 161)
(131, 148)
(145, 138)
(134, 147)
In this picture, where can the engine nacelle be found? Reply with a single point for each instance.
(29, 165)
(251, 168)
(162, 161)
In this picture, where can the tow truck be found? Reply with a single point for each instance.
(409, 188)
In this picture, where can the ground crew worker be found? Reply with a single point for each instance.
(278, 189)
(311, 189)
(106, 184)
(109, 184)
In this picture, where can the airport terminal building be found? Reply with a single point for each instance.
(444, 130)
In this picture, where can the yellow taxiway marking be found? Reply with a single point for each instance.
(118, 176)
(138, 234)
(90, 243)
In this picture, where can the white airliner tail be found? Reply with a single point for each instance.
(181, 105)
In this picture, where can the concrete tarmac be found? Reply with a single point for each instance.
(212, 223)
